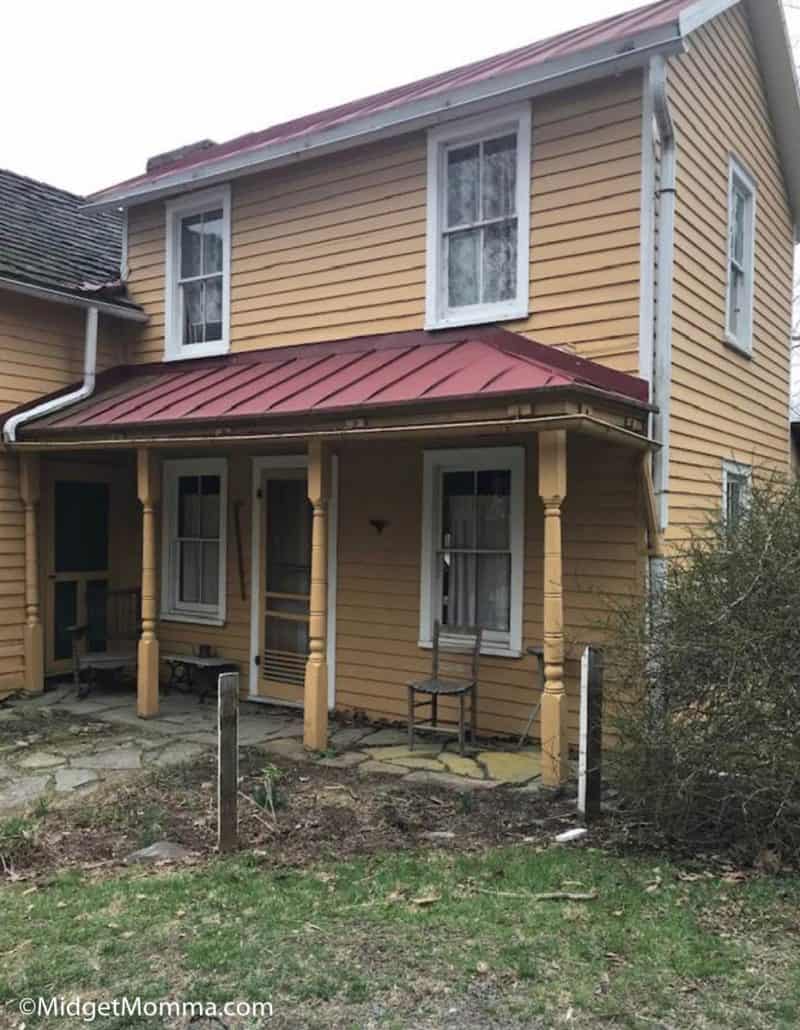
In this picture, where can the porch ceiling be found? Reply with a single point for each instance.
(343, 377)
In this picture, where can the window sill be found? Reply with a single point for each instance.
(733, 344)
(479, 316)
(197, 350)
(491, 650)
(195, 620)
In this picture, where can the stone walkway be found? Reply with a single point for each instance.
(68, 758)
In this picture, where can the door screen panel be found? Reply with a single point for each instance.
(288, 581)
(81, 527)
(65, 613)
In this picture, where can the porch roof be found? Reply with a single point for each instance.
(337, 377)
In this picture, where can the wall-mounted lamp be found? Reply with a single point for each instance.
(378, 524)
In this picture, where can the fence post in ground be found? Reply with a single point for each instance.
(228, 762)
(591, 734)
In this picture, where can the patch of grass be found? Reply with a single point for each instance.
(334, 944)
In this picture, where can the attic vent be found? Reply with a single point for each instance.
(178, 154)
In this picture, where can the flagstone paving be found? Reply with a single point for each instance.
(114, 742)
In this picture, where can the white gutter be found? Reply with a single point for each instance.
(71, 300)
(65, 400)
(662, 358)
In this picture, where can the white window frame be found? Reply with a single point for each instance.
(739, 176)
(741, 471)
(173, 610)
(193, 204)
(438, 315)
(470, 460)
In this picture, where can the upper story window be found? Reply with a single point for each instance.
(198, 275)
(479, 184)
(736, 481)
(741, 258)
(193, 574)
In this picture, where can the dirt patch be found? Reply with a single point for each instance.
(321, 813)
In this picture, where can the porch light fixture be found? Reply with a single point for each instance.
(378, 524)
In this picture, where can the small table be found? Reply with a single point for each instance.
(187, 671)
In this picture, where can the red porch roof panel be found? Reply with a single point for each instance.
(354, 375)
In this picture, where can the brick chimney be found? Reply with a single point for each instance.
(170, 157)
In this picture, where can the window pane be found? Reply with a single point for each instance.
(458, 509)
(493, 510)
(213, 308)
(739, 224)
(458, 589)
(193, 323)
(191, 245)
(189, 566)
(189, 506)
(493, 591)
(210, 507)
(463, 255)
(500, 262)
(736, 300)
(210, 576)
(462, 185)
(499, 179)
(212, 242)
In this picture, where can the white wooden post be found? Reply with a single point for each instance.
(591, 734)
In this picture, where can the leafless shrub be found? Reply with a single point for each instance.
(707, 701)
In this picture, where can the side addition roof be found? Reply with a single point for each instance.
(50, 240)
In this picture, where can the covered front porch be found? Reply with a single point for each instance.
(313, 549)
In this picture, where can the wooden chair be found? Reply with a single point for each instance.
(456, 655)
(121, 620)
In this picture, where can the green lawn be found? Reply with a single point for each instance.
(350, 945)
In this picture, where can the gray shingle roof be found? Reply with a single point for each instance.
(48, 239)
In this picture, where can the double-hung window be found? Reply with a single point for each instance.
(741, 258)
(736, 484)
(479, 184)
(193, 577)
(198, 274)
(473, 544)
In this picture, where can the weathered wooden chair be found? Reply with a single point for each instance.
(118, 623)
(456, 656)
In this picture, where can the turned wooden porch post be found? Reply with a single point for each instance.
(315, 736)
(29, 483)
(553, 490)
(147, 676)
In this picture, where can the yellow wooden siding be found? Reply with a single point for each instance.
(377, 620)
(724, 406)
(336, 247)
(41, 350)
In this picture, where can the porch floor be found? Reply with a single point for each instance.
(34, 768)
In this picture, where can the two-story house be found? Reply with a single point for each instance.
(476, 349)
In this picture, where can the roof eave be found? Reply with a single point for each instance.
(126, 312)
(597, 62)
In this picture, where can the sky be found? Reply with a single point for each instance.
(96, 88)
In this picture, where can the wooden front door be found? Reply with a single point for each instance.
(77, 566)
(286, 585)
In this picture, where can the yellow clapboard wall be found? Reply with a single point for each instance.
(724, 405)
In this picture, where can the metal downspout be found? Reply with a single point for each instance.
(662, 357)
(86, 389)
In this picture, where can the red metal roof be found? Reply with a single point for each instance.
(355, 375)
(608, 31)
